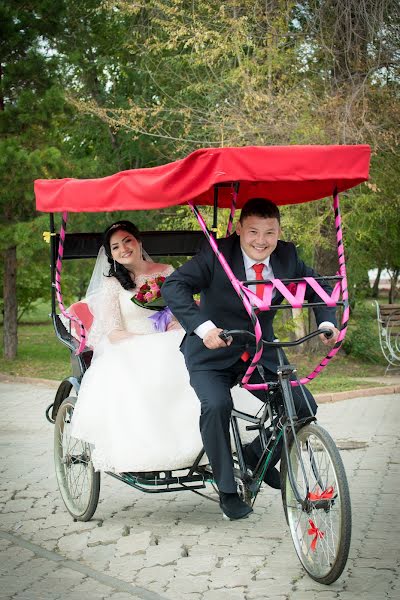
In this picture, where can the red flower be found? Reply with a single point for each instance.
(149, 294)
(292, 287)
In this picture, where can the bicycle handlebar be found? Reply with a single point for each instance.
(227, 333)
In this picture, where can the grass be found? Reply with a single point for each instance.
(342, 374)
(41, 355)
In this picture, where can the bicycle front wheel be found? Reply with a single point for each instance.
(320, 525)
(78, 482)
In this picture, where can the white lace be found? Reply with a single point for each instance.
(106, 309)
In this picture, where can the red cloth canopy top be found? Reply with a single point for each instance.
(284, 174)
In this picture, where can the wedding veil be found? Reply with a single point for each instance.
(96, 296)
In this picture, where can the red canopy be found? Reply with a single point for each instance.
(284, 174)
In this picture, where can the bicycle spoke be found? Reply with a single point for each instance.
(78, 483)
(321, 527)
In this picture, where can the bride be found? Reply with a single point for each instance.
(135, 404)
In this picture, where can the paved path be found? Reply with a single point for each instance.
(177, 546)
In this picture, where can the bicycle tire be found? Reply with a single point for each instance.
(321, 535)
(78, 482)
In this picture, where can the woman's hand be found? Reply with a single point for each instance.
(173, 324)
(119, 334)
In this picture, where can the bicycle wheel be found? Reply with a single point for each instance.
(78, 482)
(321, 528)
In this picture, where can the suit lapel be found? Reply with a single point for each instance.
(278, 271)
(237, 260)
(276, 265)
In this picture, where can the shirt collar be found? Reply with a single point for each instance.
(249, 262)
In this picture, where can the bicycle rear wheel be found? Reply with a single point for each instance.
(321, 528)
(78, 482)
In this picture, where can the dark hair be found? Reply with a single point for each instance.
(260, 207)
(119, 271)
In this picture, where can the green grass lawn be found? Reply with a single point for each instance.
(41, 355)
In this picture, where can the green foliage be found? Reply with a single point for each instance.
(362, 340)
(90, 88)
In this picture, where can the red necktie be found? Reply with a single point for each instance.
(258, 269)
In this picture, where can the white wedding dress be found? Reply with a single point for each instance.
(135, 404)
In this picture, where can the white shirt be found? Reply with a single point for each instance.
(267, 274)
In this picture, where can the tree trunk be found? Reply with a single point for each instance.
(393, 286)
(375, 287)
(10, 303)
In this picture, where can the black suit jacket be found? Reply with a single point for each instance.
(220, 303)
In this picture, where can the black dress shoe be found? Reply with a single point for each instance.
(233, 507)
(272, 476)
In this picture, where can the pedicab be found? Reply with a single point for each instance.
(314, 488)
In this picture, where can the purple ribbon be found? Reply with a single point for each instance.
(161, 319)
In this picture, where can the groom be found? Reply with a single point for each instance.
(253, 252)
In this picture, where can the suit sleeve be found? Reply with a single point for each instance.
(189, 279)
(322, 313)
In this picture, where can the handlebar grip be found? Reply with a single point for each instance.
(328, 333)
(224, 335)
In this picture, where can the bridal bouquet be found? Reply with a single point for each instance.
(149, 296)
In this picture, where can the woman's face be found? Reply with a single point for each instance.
(125, 249)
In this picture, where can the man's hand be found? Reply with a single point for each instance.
(212, 341)
(332, 340)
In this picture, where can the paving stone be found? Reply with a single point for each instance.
(107, 534)
(13, 506)
(123, 596)
(237, 594)
(197, 565)
(74, 543)
(159, 575)
(59, 519)
(135, 543)
(89, 586)
(189, 584)
(127, 566)
(98, 557)
(164, 554)
(178, 595)
(236, 561)
(312, 595)
(254, 554)
(227, 577)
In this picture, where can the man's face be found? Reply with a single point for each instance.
(258, 236)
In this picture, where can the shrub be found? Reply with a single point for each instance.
(362, 339)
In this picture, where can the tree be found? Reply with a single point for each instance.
(30, 105)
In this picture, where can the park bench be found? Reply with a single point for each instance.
(388, 316)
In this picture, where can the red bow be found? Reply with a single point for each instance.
(326, 495)
(317, 533)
